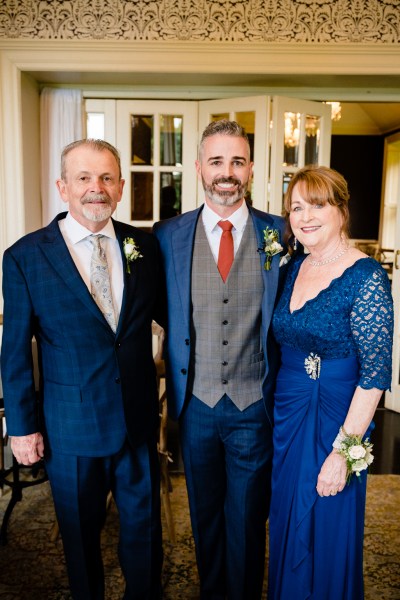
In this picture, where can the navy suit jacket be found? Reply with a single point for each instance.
(96, 388)
(176, 237)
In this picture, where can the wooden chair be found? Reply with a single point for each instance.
(164, 454)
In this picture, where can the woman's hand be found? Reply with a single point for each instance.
(332, 476)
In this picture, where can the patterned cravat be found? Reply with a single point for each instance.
(100, 286)
(225, 254)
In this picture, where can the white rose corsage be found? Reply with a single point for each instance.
(358, 453)
(271, 246)
(131, 252)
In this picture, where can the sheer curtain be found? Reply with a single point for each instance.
(61, 122)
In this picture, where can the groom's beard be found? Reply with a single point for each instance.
(225, 197)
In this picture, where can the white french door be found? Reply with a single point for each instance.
(300, 135)
(392, 398)
(157, 141)
(253, 114)
(392, 187)
(285, 134)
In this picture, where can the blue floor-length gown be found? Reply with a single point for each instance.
(316, 543)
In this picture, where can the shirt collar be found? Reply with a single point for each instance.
(238, 218)
(77, 232)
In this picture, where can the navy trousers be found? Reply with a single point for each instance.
(80, 486)
(227, 456)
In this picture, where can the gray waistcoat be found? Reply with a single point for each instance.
(227, 350)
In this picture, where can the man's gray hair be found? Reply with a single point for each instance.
(98, 145)
(223, 127)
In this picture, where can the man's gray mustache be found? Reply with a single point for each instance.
(96, 198)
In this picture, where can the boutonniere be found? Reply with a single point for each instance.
(131, 252)
(271, 246)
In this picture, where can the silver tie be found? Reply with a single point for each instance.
(100, 286)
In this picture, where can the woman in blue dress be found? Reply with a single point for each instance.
(334, 323)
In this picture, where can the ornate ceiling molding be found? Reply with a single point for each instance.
(268, 21)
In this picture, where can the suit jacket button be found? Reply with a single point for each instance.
(183, 371)
(225, 342)
(224, 381)
(117, 380)
(224, 363)
(225, 300)
(187, 342)
(225, 322)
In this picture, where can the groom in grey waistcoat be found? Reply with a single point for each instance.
(222, 269)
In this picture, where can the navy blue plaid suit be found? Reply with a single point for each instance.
(98, 408)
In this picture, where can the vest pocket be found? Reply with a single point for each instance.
(255, 358)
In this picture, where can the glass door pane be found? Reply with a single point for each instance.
(171, 140)
(142, 142)
(291, 139)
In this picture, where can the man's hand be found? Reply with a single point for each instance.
(27, 449)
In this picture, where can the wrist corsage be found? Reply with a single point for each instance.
(131, 252)
(358, 453)
(271, 246)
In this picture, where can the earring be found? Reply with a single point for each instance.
(295, 244)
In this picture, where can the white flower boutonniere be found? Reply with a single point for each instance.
(358, 453)
(271, 246)
(131, 252)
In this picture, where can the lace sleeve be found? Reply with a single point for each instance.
(372, 328)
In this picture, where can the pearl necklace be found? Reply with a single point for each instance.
(320, 263)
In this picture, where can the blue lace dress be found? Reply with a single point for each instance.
(316, 543)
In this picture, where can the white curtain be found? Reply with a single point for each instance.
(61, 122)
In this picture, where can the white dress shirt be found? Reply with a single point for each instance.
(214, 232)
(76, 237)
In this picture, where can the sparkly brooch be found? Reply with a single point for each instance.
(312, 365)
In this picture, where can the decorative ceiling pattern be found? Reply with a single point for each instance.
(278, 21)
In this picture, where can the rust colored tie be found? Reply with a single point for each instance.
(225, 254)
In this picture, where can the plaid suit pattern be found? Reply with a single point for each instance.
(96, 386)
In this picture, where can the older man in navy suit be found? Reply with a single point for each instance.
(222, 270)
(87, 288)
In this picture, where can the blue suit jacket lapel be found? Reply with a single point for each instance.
(271, 277)
(130, 279)
(182, 241)
(56, 252)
